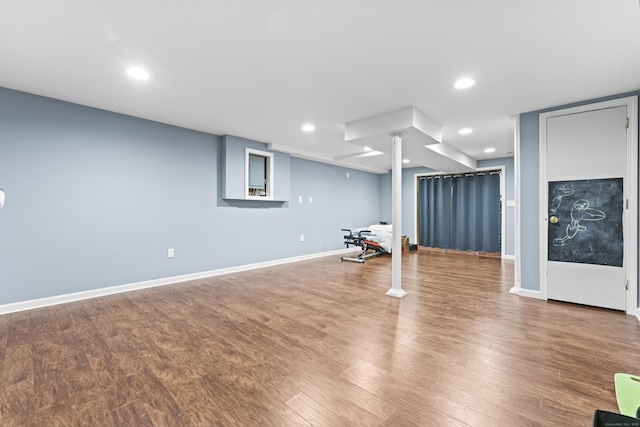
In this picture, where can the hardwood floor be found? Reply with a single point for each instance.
(317, 343)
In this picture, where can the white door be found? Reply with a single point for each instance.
(586, 179)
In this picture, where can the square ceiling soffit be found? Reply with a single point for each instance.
(421, 139)
(413, 123)
(444, 158)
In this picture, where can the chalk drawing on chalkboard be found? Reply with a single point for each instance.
(559, 191)
(579, 212)
(589, 229)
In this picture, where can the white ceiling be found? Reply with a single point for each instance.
(260, 69)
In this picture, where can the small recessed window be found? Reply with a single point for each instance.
(258, 174)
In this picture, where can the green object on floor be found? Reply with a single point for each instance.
(627, 393)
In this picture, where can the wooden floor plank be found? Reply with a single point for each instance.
(318, 343)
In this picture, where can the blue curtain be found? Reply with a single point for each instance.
(460, 212)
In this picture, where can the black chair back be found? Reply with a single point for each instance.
(611, 419)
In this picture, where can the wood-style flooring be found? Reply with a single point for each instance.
(317, 343)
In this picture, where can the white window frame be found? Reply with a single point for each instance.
(269, 173)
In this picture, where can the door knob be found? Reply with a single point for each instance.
(554, 219)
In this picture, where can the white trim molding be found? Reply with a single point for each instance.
(528, 293)
(517, 279)
(95, 293)
(269, 165)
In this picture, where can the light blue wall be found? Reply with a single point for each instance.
(95, 199)
(409, 192)
(529, 191)
(338, 202)
(529, 214)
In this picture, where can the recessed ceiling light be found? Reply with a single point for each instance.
(308, 127)
(464, 83)
(138, 73)
(405, 160)
(489, 150)
(465, 131)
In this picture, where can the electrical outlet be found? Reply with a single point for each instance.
(299, 199)
(302, 237)
(310, 199)
(170, 253)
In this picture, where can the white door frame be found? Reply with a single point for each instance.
(630, 193)
(503, 205)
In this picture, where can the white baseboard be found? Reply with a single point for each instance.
(526, 293)
(538, 295)
(511, 257)
(95, 293)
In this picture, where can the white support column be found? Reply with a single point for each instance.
(396, 216)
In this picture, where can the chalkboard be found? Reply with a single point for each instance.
(589, 221)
